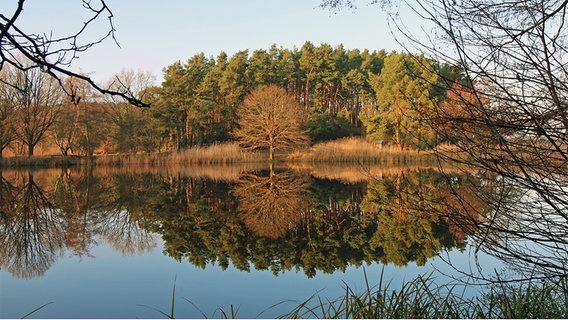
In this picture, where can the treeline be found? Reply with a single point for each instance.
(384, 96)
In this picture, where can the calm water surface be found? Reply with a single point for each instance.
(110, 243)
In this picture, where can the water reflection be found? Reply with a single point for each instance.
(272, 203)
(31, 230)
(267, 219)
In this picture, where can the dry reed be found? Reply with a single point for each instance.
(356, 150)
(225, 153)
(42, 162)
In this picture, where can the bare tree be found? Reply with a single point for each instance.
(514, 124)
(271, 118)
(65, 130)
(36, 98)
(7, 130)
(54, 56)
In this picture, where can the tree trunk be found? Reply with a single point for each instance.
(30, 149)
(89, 150)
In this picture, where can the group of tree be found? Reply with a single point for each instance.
(324, 92)
(386, 96)
(35, 109)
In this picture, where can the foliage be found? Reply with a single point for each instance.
(403, 90)
(323, 127)
(197, 101)
(327, 82)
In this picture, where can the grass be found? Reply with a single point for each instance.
(423, 298)
(357, 150)
(224, 153)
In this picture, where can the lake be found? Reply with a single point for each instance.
(117, 242)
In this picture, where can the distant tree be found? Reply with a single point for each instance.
(7, 113)
(271, 118)
(53, 55)
(323, 128)
(66, 129)
(131, 129)
(403, 95)
(37, 100)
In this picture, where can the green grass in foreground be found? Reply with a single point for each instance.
(422, 298)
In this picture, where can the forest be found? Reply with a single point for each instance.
(382, 96)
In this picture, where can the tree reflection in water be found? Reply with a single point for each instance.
(271, 220)
(273, 204)
(69, 211)
(31, 229)
(408, 208)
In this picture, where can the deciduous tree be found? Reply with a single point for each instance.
(271, 118)
(37, 101)
(7, 108)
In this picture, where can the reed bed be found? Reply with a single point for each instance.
(43, 162)
(224, 153)
(357, 150)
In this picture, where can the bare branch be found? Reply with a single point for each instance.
(55, 55)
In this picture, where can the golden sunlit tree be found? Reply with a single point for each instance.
(271, 118)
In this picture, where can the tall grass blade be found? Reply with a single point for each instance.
(155, 309)
(173, 299)
(36, 309)
(171, 315)
(196, 308)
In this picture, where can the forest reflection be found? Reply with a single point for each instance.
(269, 218)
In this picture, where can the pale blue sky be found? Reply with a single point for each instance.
(155, 34)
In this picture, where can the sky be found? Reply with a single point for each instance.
(154, 34)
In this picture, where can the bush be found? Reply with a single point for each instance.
(324, 128)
